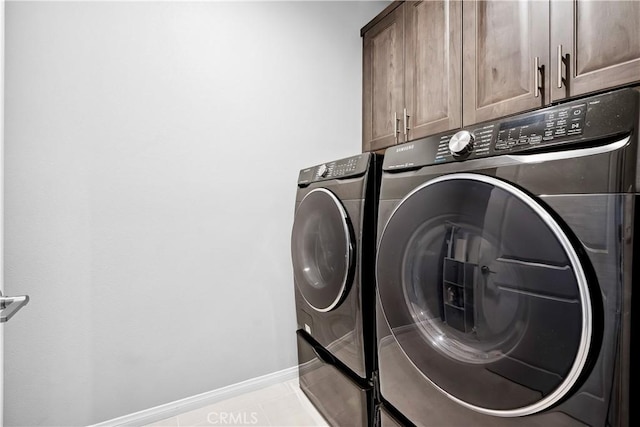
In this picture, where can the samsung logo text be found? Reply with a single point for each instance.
(407, 148)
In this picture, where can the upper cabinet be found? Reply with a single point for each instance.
(411, 80)
(383, 81)
(423, 74)
(595, 45)
(506, 50)
(432, 45)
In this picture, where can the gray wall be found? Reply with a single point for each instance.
(151, 154)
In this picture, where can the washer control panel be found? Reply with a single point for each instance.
(344, 168)
(517, 134)
(541, 128)
(556, 127)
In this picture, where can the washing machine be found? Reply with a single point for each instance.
(505, 269)
(333, 255)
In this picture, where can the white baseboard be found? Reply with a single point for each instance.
(172, 409)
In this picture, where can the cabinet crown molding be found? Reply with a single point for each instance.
(387, 10)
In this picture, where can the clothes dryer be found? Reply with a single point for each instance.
(341, 399)
(333, 253)
(505, 269)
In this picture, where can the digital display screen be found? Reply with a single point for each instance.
(526, 121)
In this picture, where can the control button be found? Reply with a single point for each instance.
(578, 110)
(548, 132)
(536, 139)
(323, 170)
(550, 124)
(522, 141)
(561, 131)
(575, 127)
(461, 143)
(561, 122)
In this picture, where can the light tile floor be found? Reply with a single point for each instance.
(282, 404)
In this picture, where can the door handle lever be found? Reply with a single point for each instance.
(9, 306)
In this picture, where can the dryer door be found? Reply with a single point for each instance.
(322, 249)
(485, 294)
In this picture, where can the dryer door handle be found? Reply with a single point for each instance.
(9, 306)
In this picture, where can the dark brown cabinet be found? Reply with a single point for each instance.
(505, 50)
(432, 66)
(383, 81)
(411, 80)
(521, 55)
(595, 45)
(432, 84)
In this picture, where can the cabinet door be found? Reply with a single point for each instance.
(433, 57)
(383, 82)
(600, 45)
(501, 40)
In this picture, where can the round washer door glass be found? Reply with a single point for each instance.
(321, 249)
(485, 294)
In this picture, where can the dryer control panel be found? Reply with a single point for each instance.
(344, 168)
(557, 127)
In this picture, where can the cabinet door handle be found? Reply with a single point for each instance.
(406, 125)
(536, 76)
(560, 59)
(396, 131)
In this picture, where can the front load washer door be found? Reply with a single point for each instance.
(485, 294)
(322, 250)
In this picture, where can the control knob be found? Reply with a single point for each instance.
(461, 144)
(323, 170)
